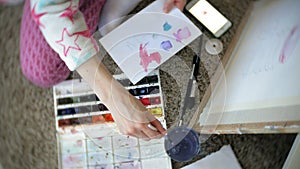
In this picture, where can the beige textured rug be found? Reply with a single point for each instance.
(27, 126)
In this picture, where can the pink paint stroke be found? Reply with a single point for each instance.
(181, 34)
(146, 59)
(290, 44)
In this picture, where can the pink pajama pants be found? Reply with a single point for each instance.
(39, 62)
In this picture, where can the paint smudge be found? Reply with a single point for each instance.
(290, 44)
(154, 36)
(74, 131)
(74, 160)
(129, 155)
(167, 26)
(181, 34)
(101, 166)
(78, 143)
(126, 165)
(166, 45)
(100, 138)
(146, 59)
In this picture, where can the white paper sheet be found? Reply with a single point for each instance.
(148, 39)
(222, 159)
(262, 77)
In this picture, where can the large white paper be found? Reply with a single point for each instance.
(148, 39)
(262, 77)
(222, 159)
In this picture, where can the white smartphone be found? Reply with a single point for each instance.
(210, 17)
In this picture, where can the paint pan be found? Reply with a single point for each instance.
(144, 91)
(150, 101)
(182, 143)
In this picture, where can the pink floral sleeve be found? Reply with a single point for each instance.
(65, 30)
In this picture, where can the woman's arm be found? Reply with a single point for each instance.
(129, 113)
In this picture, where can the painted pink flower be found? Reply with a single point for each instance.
(181, 34)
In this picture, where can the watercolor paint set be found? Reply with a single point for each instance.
(87, 136)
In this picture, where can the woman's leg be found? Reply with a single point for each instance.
(39, 63)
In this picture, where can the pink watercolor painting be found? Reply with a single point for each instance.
(290, 44)
(181, 34)
(146, 59)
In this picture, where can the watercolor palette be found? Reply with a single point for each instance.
(87, 136)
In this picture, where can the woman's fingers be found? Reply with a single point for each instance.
(180, 4)
(156, 124)
(170, 3)
(143, 131)
(168, 6)
(151, 134)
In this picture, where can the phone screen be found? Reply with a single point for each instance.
(208, 16)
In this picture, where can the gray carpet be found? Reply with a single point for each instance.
(27, 127)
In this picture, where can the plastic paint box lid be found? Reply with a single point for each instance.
(182, 144)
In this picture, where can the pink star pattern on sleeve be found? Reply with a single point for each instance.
(52, 30)
(65, 27)
(69, 13)
(68, 41)
(37, 17)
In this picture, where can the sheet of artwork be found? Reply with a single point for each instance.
(148, 39)
(262, 78)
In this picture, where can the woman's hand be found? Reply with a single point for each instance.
(130, 115)
(170, 3)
